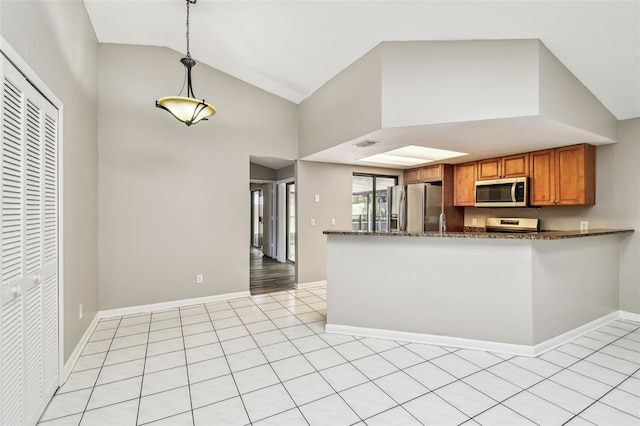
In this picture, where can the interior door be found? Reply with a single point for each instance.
(291, 221)
(29, 252)
(256, 218)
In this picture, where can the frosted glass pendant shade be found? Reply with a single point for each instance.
(187, 110)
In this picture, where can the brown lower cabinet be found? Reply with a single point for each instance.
(563, 176)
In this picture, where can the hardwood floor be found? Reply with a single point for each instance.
(268, 275)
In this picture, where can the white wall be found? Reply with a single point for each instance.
(57, 41)
(174, 199)
(433, 82)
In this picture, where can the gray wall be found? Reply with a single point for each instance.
(564, 98)
(346, 107)
(260, 172)
(285, 173)
(174, 199)
(332, 182)
(57, 40)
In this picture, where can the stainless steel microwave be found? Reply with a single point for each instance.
(511, 192)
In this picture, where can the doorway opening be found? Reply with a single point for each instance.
(273, 226)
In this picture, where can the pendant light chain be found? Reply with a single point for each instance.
(188, 4)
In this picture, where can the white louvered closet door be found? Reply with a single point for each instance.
(29, 260)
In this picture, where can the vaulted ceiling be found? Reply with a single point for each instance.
(291, 48)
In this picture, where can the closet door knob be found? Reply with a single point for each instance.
(16, 291)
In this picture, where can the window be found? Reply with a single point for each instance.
(369, 201)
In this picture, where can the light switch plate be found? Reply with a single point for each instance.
(316, 198)
(333, 221)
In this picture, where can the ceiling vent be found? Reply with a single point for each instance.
(365, 144)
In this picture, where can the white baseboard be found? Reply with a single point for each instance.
(563, 338)
(310, 284)
(71, 362)
(483, 345)
(431, 339)
(170, 305)
(629, 316)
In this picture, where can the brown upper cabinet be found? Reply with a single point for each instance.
(413, 176)
(464, 178)
(563, 176)
(433, 173)
(503, 167)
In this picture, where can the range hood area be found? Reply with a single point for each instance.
(486, 98)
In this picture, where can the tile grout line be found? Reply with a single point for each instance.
(599, 400)
(562, 368)
(273, 370)
(99, 373)
(144, 367)
(186, 363)
(224, 354)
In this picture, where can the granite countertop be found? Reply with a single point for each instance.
(543, 235)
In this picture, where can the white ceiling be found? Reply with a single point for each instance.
(291, 48)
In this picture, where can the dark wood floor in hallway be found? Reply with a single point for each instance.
(268, 275)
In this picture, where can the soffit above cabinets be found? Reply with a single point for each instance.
(481, 97)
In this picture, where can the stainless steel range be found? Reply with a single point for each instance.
(512, 224)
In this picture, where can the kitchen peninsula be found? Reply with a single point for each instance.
(517, 293)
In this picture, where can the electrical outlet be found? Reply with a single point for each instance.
(80, 311)
(313, 222)
(333, 221)
(584, 226)
(474, 221)
(199, 279)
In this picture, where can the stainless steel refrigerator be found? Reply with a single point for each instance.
(414, 208)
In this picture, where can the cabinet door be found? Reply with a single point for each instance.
(432, 173)
(542, 184)
(412, 176)
(515, 166)
(464, 184)
(575, 175)
(489, 169)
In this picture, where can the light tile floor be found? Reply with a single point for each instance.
(265, 360)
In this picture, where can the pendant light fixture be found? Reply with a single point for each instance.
(190, 109)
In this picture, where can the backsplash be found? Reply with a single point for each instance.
(560, 218)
